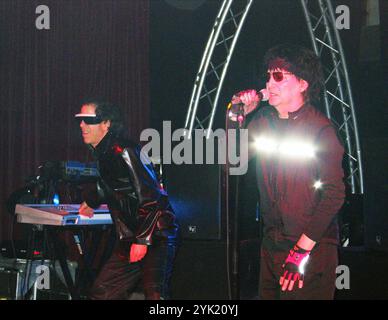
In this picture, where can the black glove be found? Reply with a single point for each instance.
(294, 267)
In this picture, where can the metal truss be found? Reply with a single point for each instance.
(214, 64)
(326, 42)
(338, 98)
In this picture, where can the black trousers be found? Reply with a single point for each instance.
(319, 280)
(118, 278)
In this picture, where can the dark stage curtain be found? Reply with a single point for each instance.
(93, 47)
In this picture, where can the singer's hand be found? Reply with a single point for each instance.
(249, 98)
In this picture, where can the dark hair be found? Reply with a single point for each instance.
(108, 111)
(300, 61)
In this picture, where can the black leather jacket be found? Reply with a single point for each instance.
(128, 184)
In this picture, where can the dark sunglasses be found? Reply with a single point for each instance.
(92, 119)
(276, 75)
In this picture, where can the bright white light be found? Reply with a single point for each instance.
(318, 184)
(267, 145)
(296, 149)
(290, 148)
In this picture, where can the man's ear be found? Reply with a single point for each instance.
(106, 124)
(303, 85)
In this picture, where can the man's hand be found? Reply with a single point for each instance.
(294, 267)
(138, 251)
(249, 98)
(85, 210)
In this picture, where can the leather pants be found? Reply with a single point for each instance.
(118, 278)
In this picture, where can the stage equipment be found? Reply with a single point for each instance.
(60, 215)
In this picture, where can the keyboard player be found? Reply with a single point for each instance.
(145, 226)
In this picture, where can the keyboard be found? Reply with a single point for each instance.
(60, 215)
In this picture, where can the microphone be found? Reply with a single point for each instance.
(263, 95)
(236, 107)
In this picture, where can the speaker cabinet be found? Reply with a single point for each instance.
(195, 195)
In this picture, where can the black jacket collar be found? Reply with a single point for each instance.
(103, 146)
(295, 114)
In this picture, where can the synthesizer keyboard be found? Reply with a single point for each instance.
(60, 215)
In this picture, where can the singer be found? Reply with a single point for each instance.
(145, 225)
(299, 176)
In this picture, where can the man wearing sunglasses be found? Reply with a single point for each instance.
(299, 174)
(145, 228)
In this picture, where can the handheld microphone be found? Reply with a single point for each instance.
(236, 107)
(263, 95)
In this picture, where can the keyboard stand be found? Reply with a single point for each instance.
(60, 253)
(56, 251)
